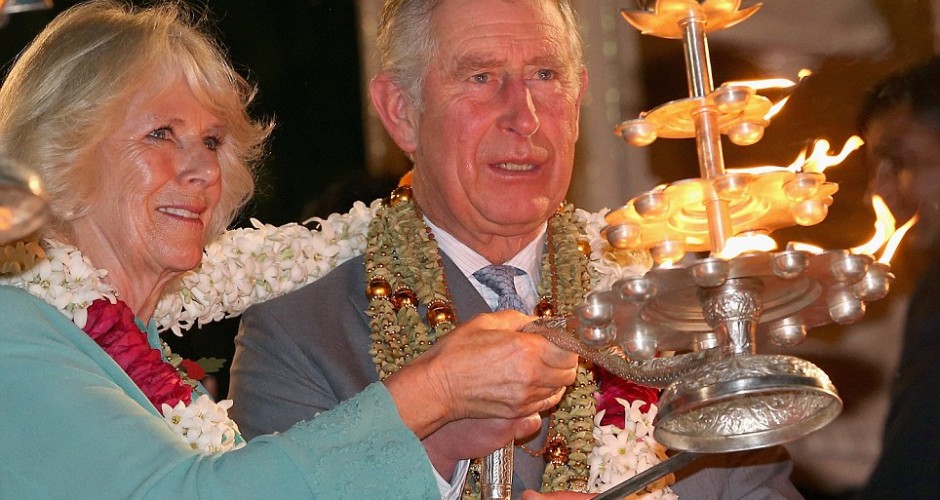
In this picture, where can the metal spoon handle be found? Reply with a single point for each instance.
(639, 481)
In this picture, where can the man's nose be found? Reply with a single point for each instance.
(520, 115)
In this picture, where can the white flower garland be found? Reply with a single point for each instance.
(60, 275)
(204, 425)
(248, 266)
(623, 453)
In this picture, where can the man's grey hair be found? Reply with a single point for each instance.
(406, 42)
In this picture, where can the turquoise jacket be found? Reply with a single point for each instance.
(73, 426)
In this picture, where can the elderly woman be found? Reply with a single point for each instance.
(139, 129)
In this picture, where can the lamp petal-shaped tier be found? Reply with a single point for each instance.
(664, 20)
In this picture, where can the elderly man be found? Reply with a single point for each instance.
(484, 97)
(900, 120)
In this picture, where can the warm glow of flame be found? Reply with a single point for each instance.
(895, 240)
(776, 108)
(884, 227)
(885, 224)
(770, 83)
(805, 247)
(797, 164)
(749, 242)
(667, 264)
(820, 159)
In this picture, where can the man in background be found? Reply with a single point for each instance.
(900, 121)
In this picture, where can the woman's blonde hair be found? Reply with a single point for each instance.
(66, 89)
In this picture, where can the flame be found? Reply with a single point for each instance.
(667, 264)
(746, 242)
(770, 83)
(884, 228)
(895, 240)
(820, 159)
(776, 108)
(805, 247)
(885, 231)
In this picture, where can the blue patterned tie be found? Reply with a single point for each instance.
(500, 280)
(496, 476)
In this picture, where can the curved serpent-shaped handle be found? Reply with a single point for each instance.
(656, 372)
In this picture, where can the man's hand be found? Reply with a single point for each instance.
(485, 368)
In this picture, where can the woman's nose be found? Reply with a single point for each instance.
(201, 166)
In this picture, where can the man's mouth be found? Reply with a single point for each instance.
(515, 167)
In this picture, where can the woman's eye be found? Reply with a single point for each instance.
(162, 133)
(480, 78)
(212, 142)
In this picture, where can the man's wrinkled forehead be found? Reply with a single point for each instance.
(474, 37)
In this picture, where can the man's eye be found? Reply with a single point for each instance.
(545, 74)
(480, 78)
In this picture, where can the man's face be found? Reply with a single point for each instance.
(904, 155)
(494, 145)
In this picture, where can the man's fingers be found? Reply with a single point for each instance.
(527, 426)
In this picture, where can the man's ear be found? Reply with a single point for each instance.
(583, 77)
(396, 111)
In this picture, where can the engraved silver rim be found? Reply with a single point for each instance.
(745, 402)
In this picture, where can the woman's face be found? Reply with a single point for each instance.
(159, 184)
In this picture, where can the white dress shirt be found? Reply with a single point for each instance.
(469, 262)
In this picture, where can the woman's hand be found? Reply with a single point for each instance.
(475, 437)
(485, 368)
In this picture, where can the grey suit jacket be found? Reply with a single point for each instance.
(303, 353)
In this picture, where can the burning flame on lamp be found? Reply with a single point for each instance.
(771, 83)
(886, 234)
(820, 159)
(747, 242)
(895, 240)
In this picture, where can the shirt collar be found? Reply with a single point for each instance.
(469, 261)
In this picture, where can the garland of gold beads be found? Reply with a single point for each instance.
(404, 269)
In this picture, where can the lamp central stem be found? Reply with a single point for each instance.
(707, 132)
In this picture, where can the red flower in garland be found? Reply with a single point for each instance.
(193, 370)
(613, 387)
(114, 328)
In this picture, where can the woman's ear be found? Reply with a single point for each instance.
(397, 112)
